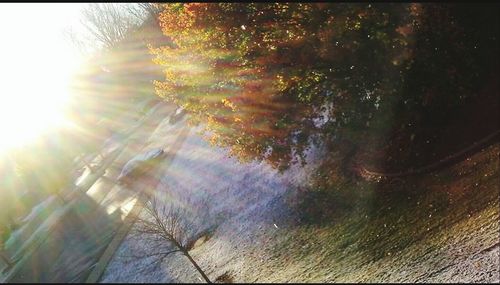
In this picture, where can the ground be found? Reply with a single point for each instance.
(438, 227)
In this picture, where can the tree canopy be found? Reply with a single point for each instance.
(268, 77)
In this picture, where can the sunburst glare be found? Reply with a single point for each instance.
(37, 64)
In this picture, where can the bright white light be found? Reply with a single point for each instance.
(36, 64)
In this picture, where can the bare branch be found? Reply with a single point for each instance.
(142, 11)
(109, 23)
(164, 226)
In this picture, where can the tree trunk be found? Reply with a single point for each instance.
(197, 267)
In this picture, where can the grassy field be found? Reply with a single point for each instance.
(440, 227)
(437, 227)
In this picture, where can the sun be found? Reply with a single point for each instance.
(27, 109)
(37, 63)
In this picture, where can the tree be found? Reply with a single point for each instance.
(268, 78)
(108, 23)
(166, 230)
(142, 11)
(263, 74)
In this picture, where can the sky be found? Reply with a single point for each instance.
(36, 64)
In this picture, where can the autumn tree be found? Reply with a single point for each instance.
(267, 78)
(261, 73)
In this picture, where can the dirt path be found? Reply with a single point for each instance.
(444, 230)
